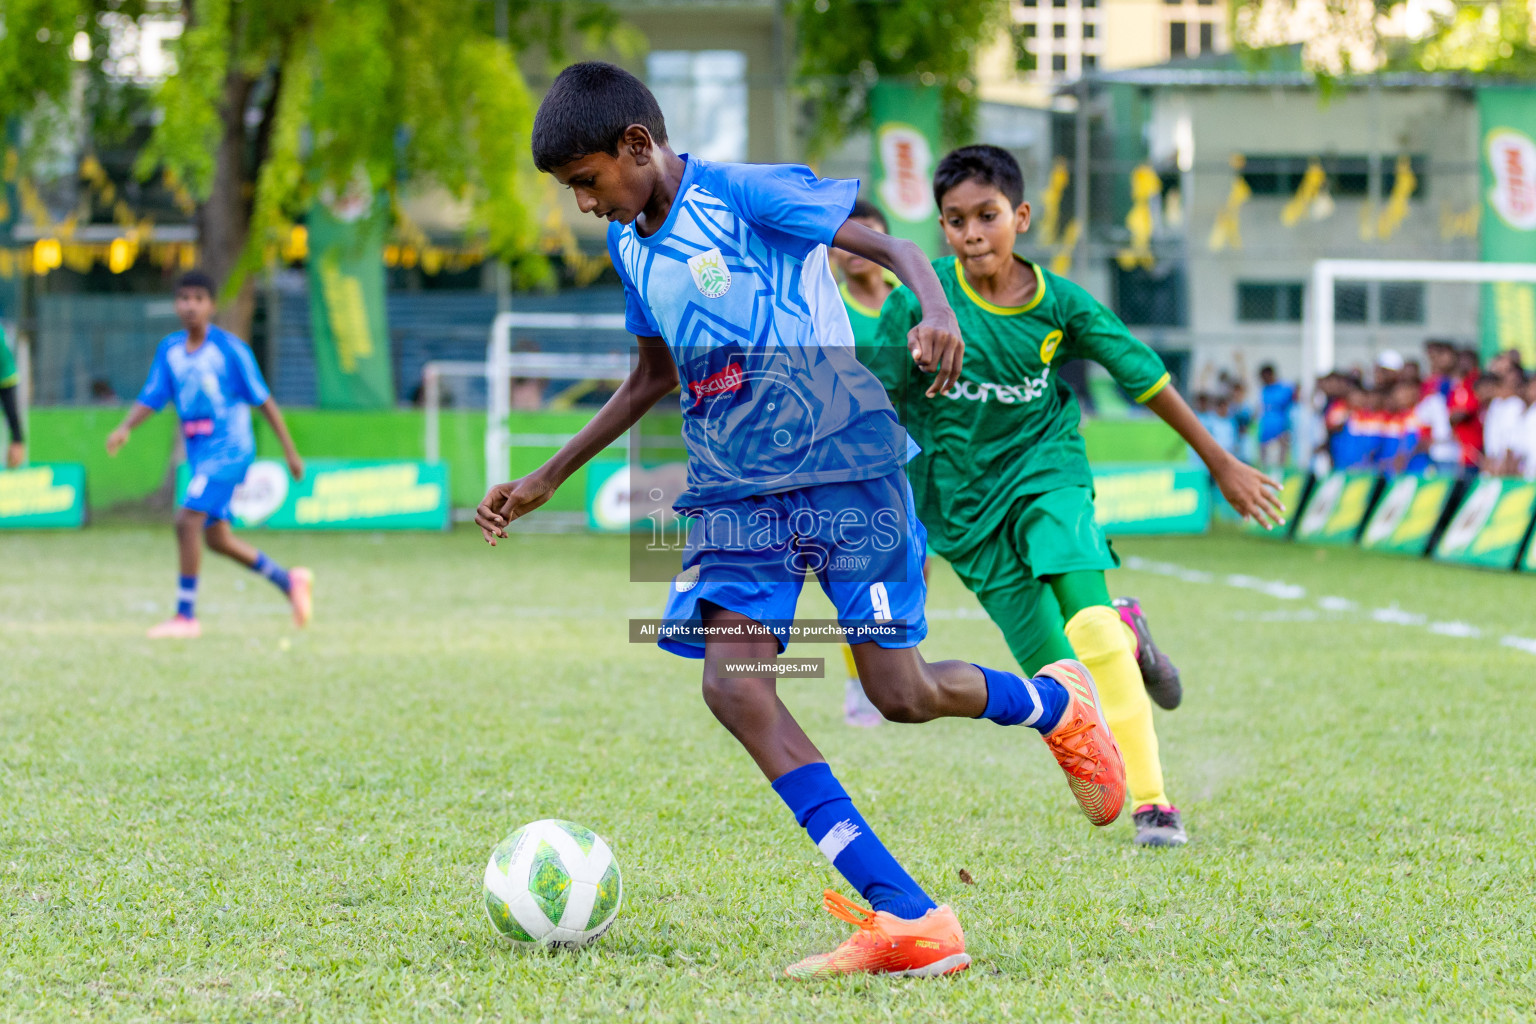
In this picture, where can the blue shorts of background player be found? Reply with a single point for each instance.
(211, 494)
(862, 540)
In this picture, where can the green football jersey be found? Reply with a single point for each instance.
(8, 374)
(1008, 427)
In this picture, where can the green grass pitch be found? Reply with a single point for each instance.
(265, 825)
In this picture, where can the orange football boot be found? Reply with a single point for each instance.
(301, 594)
(1084, 746)
(886, 944)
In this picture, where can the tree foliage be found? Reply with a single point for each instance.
(846, 46)
(1340, 37)
(272, 102)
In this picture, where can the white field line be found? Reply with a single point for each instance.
(1392, 616)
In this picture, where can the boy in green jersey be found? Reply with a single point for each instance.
(865, 285)
(1004, 485)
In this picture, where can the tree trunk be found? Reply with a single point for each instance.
(223, 221)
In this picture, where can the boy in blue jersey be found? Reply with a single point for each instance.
(795, 458)
(213, 380)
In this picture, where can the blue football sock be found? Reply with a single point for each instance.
(821, 806)
(186, 595)
(1012, 700)
(272, 571)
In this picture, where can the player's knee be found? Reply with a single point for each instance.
(901, 700)
(732, 699)
(188, 522)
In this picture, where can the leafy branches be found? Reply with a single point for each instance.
(845, 46)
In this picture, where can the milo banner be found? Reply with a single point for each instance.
(1490, 524)
(1406, 516)
(1152, 499)
(50, 496)
(340, 495)
(906, 140)
(346, 301)
(1336, 509)
(1508, 157)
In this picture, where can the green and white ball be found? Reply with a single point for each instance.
(552, 883)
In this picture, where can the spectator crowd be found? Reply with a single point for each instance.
(1457, 417)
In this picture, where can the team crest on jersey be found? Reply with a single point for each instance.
(1048, 347)
(710, 273)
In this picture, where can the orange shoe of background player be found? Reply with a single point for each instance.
(885, 944)
(301, 594)
(177, 628)
(1084, 746)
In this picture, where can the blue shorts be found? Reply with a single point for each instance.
(211, 494)
(862, 540)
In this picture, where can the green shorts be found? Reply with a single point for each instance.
(1043, 535)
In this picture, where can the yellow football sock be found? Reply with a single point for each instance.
(1101, 642)
(853, 666)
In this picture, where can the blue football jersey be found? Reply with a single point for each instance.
(213, 389)
(736, 281)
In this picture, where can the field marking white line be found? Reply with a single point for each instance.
(1338, 606)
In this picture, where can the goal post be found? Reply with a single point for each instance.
(1318, 349)
(502, 365)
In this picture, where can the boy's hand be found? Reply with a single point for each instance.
(295, 466)
(506, 502)
(116, 440)
(936, 347)
(15, 455)
(1254, 495)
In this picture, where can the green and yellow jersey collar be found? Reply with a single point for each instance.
(970, 293)
(855, 305)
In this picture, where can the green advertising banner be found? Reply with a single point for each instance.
(1336, 509)
(1133, 499)
(1490, 524)
(1528, 563)
(50, 496)
(1508, 227)
(1406, 516)
(1293, 491)
(340, 494)
(346, 301)
(906, 121)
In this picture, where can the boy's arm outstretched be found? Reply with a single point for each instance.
(119, 437)
(274, 418)
(1253, 494)
(935, 342)
(654, 376)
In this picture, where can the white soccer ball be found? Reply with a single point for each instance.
(552, 883)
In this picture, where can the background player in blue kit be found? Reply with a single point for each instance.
(213, 380)
(795, 462)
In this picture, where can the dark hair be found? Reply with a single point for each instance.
(865, 210)
(197, 279)
(988, 165)
(587, 110)
(1267, 368)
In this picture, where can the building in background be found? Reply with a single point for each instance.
(1258, 177)
(1047, 43)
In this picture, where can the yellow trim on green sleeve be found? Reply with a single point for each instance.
(990, 307)
(1152, 391)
